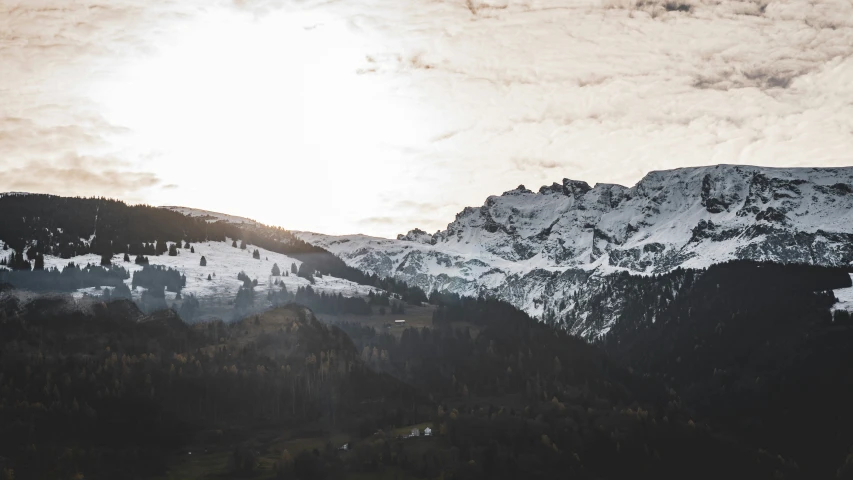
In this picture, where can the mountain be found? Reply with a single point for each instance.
(536, 249)
(111, 244)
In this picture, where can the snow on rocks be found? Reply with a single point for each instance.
(532, 248)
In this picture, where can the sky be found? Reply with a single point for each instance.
(379, 116)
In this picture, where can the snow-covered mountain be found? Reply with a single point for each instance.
(222, 264)
(534, 249)
(45, 234)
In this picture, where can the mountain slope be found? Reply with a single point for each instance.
(534, 249)
(752, 346)
(46, 232)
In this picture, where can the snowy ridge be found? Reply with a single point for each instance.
(213, 216)
(534, 248)
(224, 262)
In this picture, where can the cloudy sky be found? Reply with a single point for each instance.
(377, 116)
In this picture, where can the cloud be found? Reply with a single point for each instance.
(476, 97)
(535, 164)
(77, 177)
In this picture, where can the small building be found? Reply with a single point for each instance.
(399, 322)
(427, 432)
(415, 433)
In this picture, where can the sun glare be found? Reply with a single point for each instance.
(264, 117)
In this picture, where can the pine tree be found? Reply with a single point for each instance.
(306, 272)
(203, 262)
(126, 257)
(208, 277)
(256, 254)
(242, 244)
(234, 244)
(39, 264)
(276, 272)
(192, 249)
(107, 259)
(173, 250)
(293, 268)
(187, 244)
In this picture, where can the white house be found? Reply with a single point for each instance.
(427, 432)
(400, 322)
(415, 433)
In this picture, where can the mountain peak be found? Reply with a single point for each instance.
(519, 190)
(416, 235)
(523, 247)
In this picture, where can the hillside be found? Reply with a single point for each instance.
(754, 347)
(45, 234)
(124, 392)
(104, 391)
(535, 249)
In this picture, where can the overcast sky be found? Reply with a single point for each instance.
(378, 116)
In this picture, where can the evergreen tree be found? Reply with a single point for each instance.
(256, 254)
(245, 298)
(234, 244)
(189, 307)
(187, 244)
(192, 249)
(126, 257)
(203, 261)
(39, 264)
(208, 277)
(242, 244)
(276, 272)
(107, 259)
(247, 282)
(293, 269)
(121, 291)
(306, 272)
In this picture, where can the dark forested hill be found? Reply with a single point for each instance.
(753, 347)
(523, 400)
(105, 392)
